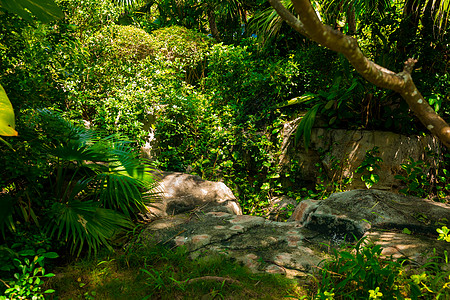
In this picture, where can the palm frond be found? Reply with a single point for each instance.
(121, 192)
(98, 184)
(305, 98)
(58, 128)
(306, 124)
(84, 223)
(129, 3)
(267, 23)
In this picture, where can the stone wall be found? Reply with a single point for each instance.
(330, 148)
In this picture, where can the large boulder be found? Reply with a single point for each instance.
(358, 211)
(404, 226)
(180, 193)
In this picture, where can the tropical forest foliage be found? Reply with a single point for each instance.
(96, 95)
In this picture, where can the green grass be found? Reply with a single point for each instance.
(160, 273)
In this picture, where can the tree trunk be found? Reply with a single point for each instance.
(213, 24)
(351, 19)
(308, 24)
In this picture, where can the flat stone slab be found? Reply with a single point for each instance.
(260, 244)
(416, 248)
(296, 248)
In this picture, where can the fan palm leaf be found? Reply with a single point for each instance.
(267, 23)
(121, 192)
(81, 223)
(97, 186)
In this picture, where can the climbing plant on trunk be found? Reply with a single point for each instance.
(309, 25)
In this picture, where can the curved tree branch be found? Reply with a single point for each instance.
(286, 15)
(309, 25)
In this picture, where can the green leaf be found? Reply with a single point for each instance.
(329, 104)
(81, 223)
(406, 231)
(297, 100)
(50, 255)
(374, 178)
(44, 10)
(7, 123)
(306, 125)
(29, 252)
(332, 120)
(265, 186)
(347, 255)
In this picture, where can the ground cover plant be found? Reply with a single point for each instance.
(156, 272)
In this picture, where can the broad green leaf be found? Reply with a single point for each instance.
(297, 100)
(265, 186)
(50, 255)
(329, 104)
(354, 84)
(306, 125)
(7, 123)
(27, 252)
(332, 120)
(347, 255)
(44, 10)
(331, 95)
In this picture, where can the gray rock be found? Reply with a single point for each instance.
(358, 211)
(296, 248)
(184, 192)
(260, 244)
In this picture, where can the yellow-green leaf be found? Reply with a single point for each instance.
(7, 124)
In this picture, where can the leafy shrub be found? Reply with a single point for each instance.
(335, 105)
(87, 16)
(352, 274)
(180, 43)
(186, 49)
(250, 86)
(26, 71)
(369, 165)
(27, 284)
(415, 178)
(359, 272)
(121, 43)
(121, 89)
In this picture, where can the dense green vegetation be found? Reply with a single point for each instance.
(209, 86)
